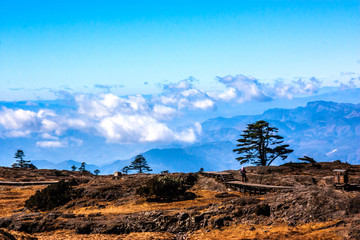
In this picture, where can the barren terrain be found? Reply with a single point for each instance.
(107, 208)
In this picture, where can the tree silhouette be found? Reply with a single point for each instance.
(20, 162)
(260, 145)
(97, 171)
(125, 169)
(82, 167)
(140, 164)
(73, 168)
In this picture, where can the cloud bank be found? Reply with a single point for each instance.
(144, 119)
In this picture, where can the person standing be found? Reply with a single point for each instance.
(243, 175)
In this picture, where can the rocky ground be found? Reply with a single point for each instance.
(107, 208)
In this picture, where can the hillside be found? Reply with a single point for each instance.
(106, 208)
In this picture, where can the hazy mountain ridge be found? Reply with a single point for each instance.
(217, 155)
(65, 165)
(326, 131)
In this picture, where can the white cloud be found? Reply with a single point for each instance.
(179, 86)
(282, 89)
(50, 144)
(190, 134)
(17, 119)
(352, 83)
(110, 101)
(17, 133)
(309, 87)
(76, 123)
(190, 92)
(42, 113)
(183, 103)
(90, 107)
(44, 122)
(203, 104)
(55, 142)
(247, 88)
(49, 136)
(49, 125)
(136, 128)
(168, 100)
(227, 95)
(133, 118)
(186, 136)
(142, 119)
(184, 95)
(130, 119)
(106, 104)
(162, 112)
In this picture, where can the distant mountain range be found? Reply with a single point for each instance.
(325, 131)
(65, 165)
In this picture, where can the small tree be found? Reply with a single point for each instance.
(140, 164)
(20, 162)
(125, 169)
(82, 167)
(261, 145)
(73, 168)
(97, 171)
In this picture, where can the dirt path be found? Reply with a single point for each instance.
(8, 183)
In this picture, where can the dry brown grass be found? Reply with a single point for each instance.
(6, 234)
(309, 231)
(204, 198)
(70, 235)
(14, 197)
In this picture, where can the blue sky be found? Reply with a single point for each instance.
(145, 74)
(78, 44)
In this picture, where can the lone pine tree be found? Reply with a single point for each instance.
(140, 164)
(261, 145)
(20, 162)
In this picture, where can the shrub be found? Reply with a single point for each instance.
(50, 197)
(307, 159)
(354, 204)
(168, 188)
(58, 173)
(262, 209)
(190, 179)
